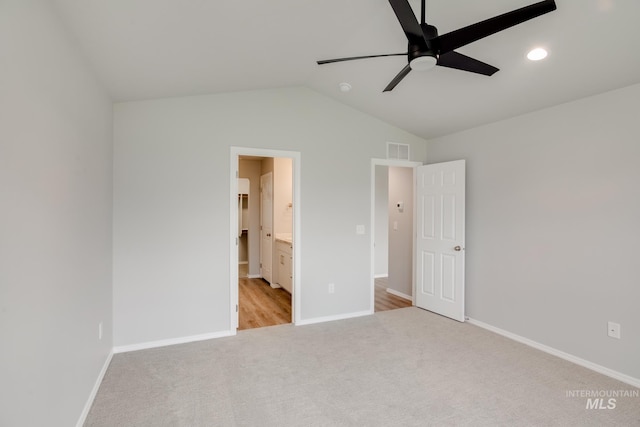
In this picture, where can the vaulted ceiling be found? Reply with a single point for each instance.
(143, 49)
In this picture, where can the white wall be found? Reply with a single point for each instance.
(400, 230)
(55, 221)
(171, 196)
(553, 223)
(282, 196)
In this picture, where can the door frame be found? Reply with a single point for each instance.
(296, 297)
(372, 226)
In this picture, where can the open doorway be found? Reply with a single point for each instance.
(393, 235)
(263, 250)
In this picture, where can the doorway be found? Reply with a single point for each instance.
(438, 251)
(264, 245)
(393, 231)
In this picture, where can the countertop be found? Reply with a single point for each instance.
(285, 237)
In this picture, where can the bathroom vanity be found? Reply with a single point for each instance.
(284, 257)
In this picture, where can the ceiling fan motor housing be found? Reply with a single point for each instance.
(430, 32)
(421, 56)
(422, 47)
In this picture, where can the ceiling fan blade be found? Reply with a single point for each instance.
(462, 62)
(397, 79)
(458, 38)
(408, 21)
(331, 61)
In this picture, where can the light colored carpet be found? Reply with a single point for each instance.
(405, 367)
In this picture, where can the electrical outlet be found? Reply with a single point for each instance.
(613, 330)
(100, 331)
(332, 288)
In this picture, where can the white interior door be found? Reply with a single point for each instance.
(440, 217)
(266, 226)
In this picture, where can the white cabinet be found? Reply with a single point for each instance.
(243, 205)
(243, 220)
(285, 270)
(243, 212)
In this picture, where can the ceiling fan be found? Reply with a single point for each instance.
(427, 49)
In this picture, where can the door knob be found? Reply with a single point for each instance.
(457, 249)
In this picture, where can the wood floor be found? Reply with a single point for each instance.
(386, 301)
(261, 305)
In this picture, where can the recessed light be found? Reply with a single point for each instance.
(345, 87)
(537, 54)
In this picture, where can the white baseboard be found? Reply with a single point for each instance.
(172, 341)
(399, 294)
(253, 276)
(243, 262)
(94, 391)
(561, 354)
(332, 318)
(380, 276)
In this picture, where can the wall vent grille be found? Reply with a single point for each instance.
(397, 151)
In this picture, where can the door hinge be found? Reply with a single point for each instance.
(236, 308)
(236, 241)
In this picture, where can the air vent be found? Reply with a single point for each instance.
(397, 151)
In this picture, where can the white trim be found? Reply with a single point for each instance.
(233, 241)
(372, 226)
(243, 262)
(94, 391)
(558, 353)
(380, 276)
(332, 318)
(254, 276)
(171, 341)
(400, 294)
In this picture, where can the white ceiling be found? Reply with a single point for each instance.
(144, 49)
